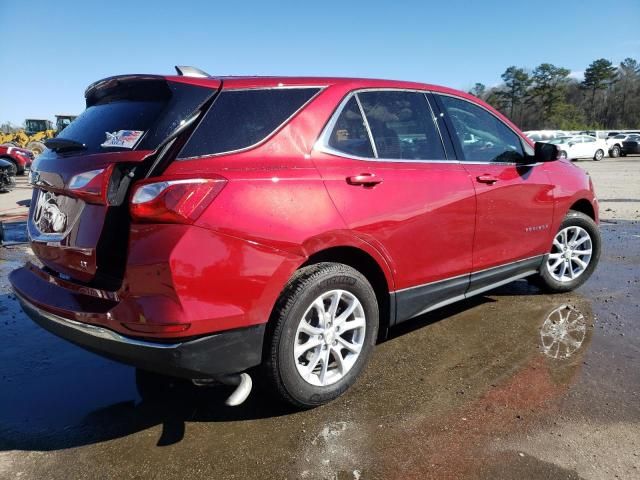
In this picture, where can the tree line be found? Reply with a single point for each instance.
(548, 98)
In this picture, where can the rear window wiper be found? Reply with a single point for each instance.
(63, 145)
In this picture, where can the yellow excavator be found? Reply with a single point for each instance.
(35, 132)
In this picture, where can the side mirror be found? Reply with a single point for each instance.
(571, 144)
(546, 152)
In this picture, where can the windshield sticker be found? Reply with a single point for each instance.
(122, 138)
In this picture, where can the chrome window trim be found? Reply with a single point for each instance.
(275, 87)
(322, 143)
(268, 137)
(367, 126)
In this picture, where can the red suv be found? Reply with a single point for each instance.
(224, 223)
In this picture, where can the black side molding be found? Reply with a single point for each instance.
(415, 301)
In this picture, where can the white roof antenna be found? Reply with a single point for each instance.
(187, 71)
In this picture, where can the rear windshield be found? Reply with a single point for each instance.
(155, 114)
(240, 119)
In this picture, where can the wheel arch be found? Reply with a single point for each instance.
(584, 206)
(358, 258)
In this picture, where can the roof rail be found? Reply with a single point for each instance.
(187, 71)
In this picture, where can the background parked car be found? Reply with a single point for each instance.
(631, 145)
(615, 142)
(19, 158)
(7, 179)
(581, 146)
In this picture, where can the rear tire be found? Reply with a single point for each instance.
(323, 329)
(599, 155)
(567, 266)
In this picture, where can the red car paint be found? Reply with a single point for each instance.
(285, 201)
(21, 157)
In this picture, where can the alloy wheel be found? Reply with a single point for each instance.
(570, 254)
(329, 337)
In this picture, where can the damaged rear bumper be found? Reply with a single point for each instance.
(209, 356)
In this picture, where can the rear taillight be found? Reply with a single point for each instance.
(173, 200)
(92, 185)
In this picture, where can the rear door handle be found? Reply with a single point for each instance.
(364, 179)
(487, 178)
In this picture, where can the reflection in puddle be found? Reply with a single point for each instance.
(563, 332)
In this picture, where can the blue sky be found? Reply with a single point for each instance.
(53, 49)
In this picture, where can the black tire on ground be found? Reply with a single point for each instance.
(301, 291)
(563, 154)
(545, 280)
(615, 151)
(599, 155)
(13, 169)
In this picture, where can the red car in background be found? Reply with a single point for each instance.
(225, 223)
(20, 158)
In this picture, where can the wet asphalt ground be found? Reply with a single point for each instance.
(511, 385)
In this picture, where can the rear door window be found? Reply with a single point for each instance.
(482, 136)
(402, 125)
(243, 118)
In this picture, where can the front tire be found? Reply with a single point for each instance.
(324, 328)
(563, 154)
(574, 254)
(599, 155)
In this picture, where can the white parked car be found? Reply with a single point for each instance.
(581, 146)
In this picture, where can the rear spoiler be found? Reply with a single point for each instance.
(110, 85)
(113, 85)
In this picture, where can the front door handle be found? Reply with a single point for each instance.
(364, 179)
(487, 178)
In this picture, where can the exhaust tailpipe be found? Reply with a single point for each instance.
(242, 382)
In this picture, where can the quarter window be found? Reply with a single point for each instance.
(243, 118)
(349, 134)
(402, 125)
(482, 136)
